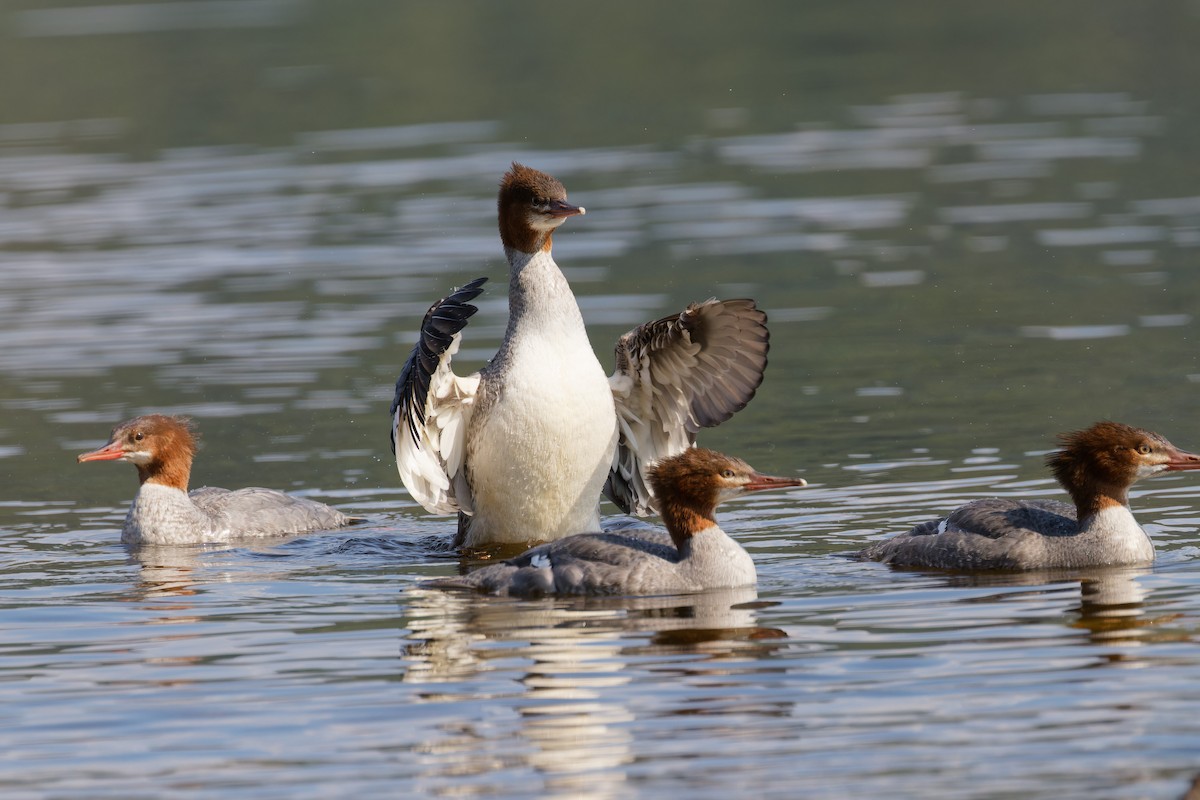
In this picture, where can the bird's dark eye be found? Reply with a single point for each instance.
(137, 437)
(1145, 449)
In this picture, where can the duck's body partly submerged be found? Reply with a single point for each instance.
(1096, 466)
(164, 512)
(522, 449)
(693, 554)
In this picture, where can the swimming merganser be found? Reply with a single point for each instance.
(692, 555)
(164, 512)
(522, 449)
(1096, 466)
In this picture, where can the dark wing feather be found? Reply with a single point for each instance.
(444, 319)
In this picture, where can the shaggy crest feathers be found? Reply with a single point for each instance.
(526, 184)
(1092, 458)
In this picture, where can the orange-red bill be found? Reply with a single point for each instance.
(110, 452)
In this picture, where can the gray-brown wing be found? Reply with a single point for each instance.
(675, 376)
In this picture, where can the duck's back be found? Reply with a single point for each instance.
(999, 518)
(992, 534)
(255, 511)
(642, 561)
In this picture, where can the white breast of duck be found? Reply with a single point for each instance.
(165, 515)
(546, 419)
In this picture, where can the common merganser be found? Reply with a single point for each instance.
(164, 512)
(693, 554)
(1096, 466)
(523, 448)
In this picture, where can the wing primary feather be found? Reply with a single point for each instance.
(444, 319)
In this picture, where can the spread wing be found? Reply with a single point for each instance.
(675, 376)
(433, 406)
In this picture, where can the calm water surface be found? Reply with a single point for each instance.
(971, 229)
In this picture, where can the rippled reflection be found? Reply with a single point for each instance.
(1112, 602)
(578, 658)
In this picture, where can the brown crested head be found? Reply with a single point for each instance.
(1106, 459)
(531, 205)
(690, 485)
(160, 446)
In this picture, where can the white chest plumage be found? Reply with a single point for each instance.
(1113, 536)
(164, 515)
(543, 445)
(716, 559)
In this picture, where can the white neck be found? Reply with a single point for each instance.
(541, 306)
(537, 285)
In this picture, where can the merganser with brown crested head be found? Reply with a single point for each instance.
(693, 554)
(1096, 466)
(164, 512)
(522, 449)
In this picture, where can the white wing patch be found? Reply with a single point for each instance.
(432, 467)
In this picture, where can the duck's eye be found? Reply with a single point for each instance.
(137, 437)
(1145, 449)
(726, 473)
